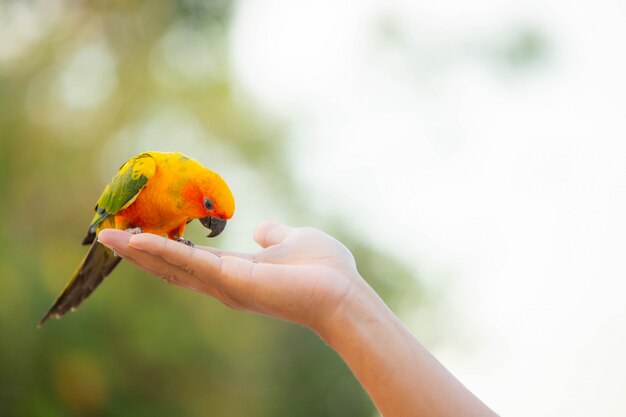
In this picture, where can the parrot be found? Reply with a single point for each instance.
(154, 192)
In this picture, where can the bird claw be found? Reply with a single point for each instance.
(185, 241)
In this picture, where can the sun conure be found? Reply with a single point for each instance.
(155, 192)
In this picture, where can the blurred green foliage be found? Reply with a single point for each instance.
(83, 86)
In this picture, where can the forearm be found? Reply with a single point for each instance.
(399, 374)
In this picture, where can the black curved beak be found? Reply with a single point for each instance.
(216, 225)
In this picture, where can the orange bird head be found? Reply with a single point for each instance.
(208, 198)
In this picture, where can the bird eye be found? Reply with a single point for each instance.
(208, 204)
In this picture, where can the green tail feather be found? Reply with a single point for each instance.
(97, 264)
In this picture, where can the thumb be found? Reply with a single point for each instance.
(271, 233)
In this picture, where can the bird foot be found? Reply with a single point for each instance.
(185, 241)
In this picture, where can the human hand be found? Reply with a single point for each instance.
(302, 274)
(306, 276)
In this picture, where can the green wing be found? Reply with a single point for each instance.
(122, 190)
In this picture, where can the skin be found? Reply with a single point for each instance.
(307, 277)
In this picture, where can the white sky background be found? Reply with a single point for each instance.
(506, 189)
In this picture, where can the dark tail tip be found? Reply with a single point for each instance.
(88, 240)
(49, 314)
(43, 321)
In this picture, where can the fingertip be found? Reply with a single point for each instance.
(271, 233)
(113, 237)
(144, 241)
(261, 230)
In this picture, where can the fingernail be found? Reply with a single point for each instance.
(132, 240)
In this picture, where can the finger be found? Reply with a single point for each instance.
(271, 233)
(153, 264)
(230, 280)
(233, 280)
(113, 238)
(272, 254)
(201, 264)
(118, 241)
(173, 274)
(178, 254)
(222, 253)
(228, 274)
(162, 272)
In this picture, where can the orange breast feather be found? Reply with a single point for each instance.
(159, 207)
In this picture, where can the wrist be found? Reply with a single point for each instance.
(360, 310)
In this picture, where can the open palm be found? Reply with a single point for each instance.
(301, 274)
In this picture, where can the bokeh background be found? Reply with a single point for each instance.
(470, 154)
